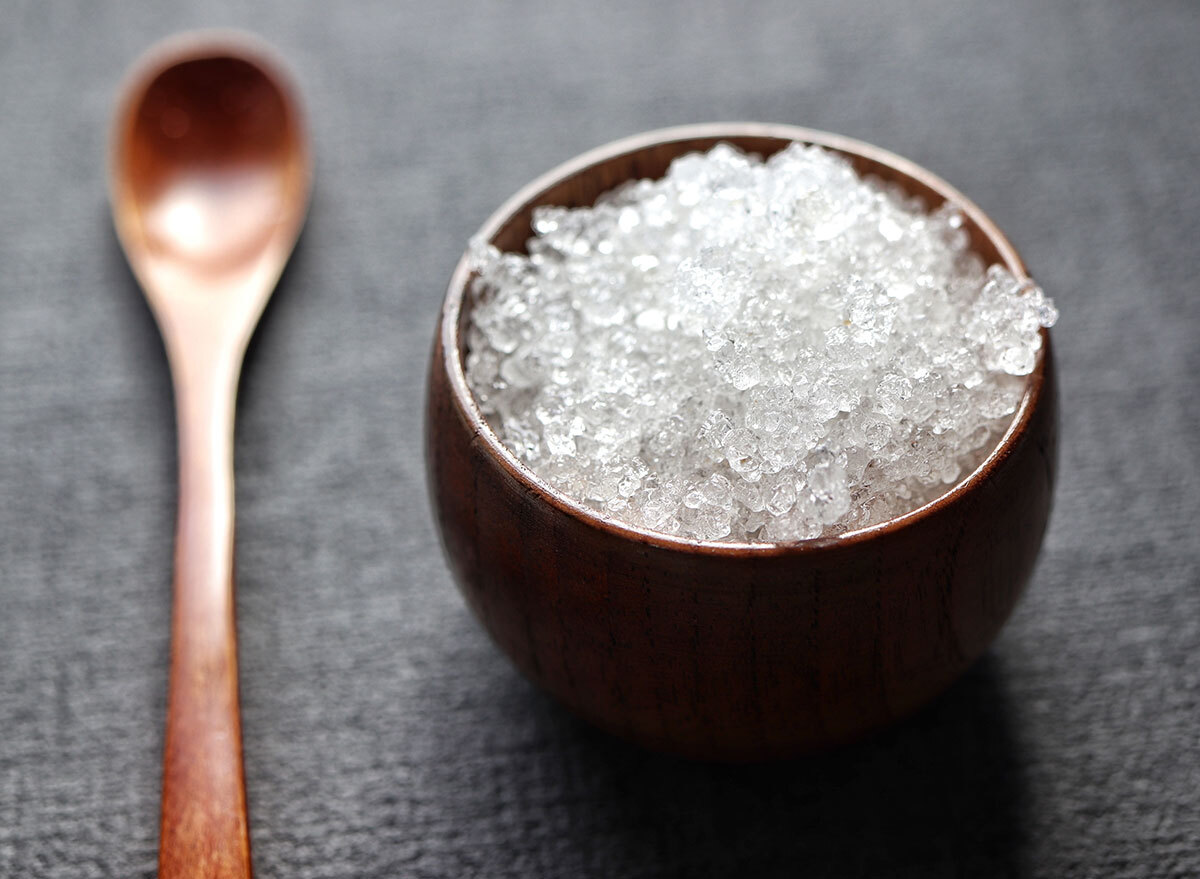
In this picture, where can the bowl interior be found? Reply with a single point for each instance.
(579, 182)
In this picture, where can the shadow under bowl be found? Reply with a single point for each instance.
(717, 650)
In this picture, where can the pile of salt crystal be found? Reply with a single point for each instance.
(750, 351)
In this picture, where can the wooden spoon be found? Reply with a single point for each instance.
(209, 178)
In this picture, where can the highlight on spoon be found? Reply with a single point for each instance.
(210, 167)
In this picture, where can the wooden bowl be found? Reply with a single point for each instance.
(731, 651)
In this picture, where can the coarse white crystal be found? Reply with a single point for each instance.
(751, 351)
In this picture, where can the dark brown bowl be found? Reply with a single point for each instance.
(718, 650)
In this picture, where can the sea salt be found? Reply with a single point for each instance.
(750, 351)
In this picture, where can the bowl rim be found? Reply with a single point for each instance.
(452, 362)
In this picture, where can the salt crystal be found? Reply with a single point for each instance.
(751, 351)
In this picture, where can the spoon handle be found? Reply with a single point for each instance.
(204, 829)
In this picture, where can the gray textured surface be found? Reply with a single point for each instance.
(384, 734)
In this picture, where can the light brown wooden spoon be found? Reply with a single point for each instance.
(209, 176)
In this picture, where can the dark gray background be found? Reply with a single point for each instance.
(384, 735)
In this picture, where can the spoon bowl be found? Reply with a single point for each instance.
(209, 180)
(721, 650)
(210, 169)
